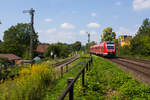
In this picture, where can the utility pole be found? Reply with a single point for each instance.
(31, 12)
(88, 41)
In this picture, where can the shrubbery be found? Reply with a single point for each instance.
(58, 50)
(140, 44)
(29, 85)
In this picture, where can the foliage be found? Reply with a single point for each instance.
(124, 51)
(108, 34)
(106, 81)
(76, 46)
(17, 39)
(139, 45)
(61, 83)
(29, 85)
(58, 49)
(87, 45)
(4, 61)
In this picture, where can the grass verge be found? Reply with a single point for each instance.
(106, 81)
(61, 83)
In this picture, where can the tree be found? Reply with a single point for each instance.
(85, 47)
(76, 46)
(144, 28)
(0, 46)
(140, 44)
(17, 39)
(108, 34)
(58, 49)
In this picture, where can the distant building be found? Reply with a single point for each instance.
(124, 40)
(11, 57)
(41, 50)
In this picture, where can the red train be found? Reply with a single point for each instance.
(107, 48)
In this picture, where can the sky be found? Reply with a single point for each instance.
(69, 21)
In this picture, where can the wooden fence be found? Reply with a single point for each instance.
(71, 81)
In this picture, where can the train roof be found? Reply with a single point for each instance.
(102, 43)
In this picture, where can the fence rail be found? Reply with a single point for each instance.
(71, 81)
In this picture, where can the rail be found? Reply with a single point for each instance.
(65, 61)
(71, 81)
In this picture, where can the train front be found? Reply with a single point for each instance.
(111, 49)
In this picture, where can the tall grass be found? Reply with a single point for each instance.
(30, 85)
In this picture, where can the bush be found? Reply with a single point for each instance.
(124, 51)
(29, 85)
(59, 49)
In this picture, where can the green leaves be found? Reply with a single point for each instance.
(58, 49)
(140, 43)
(17, 39)
(106, 81)
(108, 34)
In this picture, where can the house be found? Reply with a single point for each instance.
(41, 50)
(11, 57)
(124, 40)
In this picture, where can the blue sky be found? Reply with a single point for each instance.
(68, 20)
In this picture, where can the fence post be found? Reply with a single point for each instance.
(69, 80)
(83, 78)
(67, 68)
(87, 66)
(61, 71)
(91, 60)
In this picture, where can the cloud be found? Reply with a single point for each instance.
(51, 30)
(52, 35)
(141, 4)
(118, 3)
(93, 33)
(126, 31)
(82, 32)
(93, 25)
(93, 14)
(67, 26)
(48, 20)
(115, 17)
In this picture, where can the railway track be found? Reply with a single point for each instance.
(140, 68)
(137, 60)
(67, 61)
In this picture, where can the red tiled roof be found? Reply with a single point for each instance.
(10, 56)
(41, 48)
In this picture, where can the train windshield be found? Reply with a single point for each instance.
(110, 46)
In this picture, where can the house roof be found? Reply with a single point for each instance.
(10, 56)
(41, 48)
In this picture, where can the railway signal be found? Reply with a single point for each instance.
(88, 40)
(31, 12)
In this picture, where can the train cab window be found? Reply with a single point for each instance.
(110, 46)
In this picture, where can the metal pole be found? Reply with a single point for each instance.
(88, 41)
(31, 12)
(32, 32)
